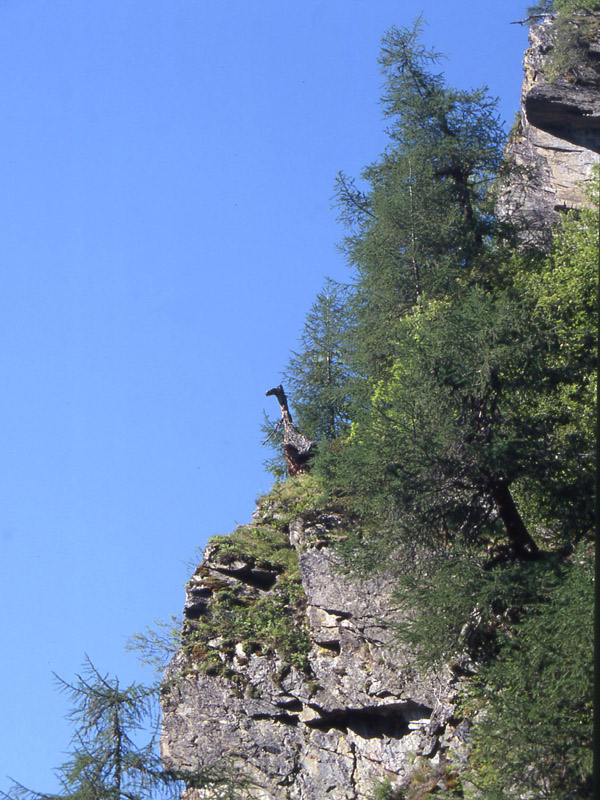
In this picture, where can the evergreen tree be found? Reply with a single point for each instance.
(435, 445)
(112, 757)
(455, 427)
(421, 225)
(469, 453)
(536, 738)
(525, 631)
(114, 746)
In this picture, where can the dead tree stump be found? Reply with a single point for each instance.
(296, 447)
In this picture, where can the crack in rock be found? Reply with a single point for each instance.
(370, 722)
(285, 719)
(262, 579)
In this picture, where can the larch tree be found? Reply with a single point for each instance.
(434, 445)
(113, 754)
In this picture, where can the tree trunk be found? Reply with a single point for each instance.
(117, 738)
(519, 536)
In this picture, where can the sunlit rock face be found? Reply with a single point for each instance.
(360, 712)
(556, 140)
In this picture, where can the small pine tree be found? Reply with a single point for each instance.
(114, 748)
(112, 757)
(536, 737)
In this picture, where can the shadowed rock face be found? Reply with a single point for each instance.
(556, 143)
(360, 712)
(566, 107)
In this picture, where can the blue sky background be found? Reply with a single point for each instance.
(166, 174)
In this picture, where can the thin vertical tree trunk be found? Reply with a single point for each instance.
(117, 735)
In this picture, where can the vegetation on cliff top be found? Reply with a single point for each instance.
(463, 397)
(263, 620)
(564, 7)
(576, 24)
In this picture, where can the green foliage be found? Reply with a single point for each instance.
(384, 790)
(107, 760)
(426, 779)
(318, 374)
(565, 7)
(459, 128)
(272, 436)
(576, 6)
(300, 496)
(536, 739)
(466, 601)
(258, 546)
(262, 623)
(474, 416)
(419, 224)
(529, 628)
(575, 26)
(442, 426)
(440, 354)
(157, 644)
(558, 496)
(470, 384)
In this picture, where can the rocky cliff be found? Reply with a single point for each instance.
(290, 679)
(312, 699)
(555, 141)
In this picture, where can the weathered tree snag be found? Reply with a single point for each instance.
(296, 447)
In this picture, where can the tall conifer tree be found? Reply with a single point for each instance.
(434, 339)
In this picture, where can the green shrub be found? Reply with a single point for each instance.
(295, 497)
(576, 25)
(384, 790)
(263, 622)
(536, 738)
(261, 547)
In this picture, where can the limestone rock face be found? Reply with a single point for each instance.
(358, 712)
(556, 143)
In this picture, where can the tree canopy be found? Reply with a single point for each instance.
(465, 386)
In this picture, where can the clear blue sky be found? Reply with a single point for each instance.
(166, 173)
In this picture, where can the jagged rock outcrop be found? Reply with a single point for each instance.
(555, 142)
(355, 712)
